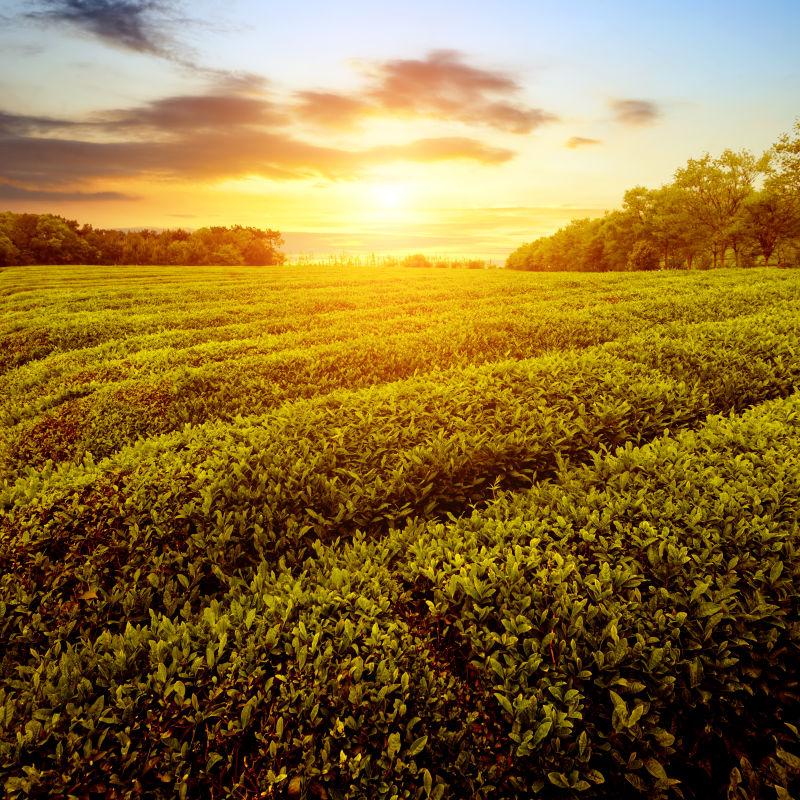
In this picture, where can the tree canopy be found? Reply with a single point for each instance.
(49, 239)
(733, 210)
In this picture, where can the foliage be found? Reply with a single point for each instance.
(48, 239)
(643, 256)
(451, 539)
(728, 210)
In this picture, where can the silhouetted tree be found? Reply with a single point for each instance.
(49, 239)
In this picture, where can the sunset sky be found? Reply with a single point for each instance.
(454, 127)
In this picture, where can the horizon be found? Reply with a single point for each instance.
(449, 129)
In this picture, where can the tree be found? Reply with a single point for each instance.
(644, 256)
(770, 218)
(227, 255)
(9, 255)
(417, 260)
(785, 164)
(49, 239)
(715, 190)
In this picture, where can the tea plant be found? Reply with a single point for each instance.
(343, 535)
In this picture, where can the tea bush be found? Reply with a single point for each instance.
(481, 536)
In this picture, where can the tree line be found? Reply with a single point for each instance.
(734, 210)
(50, 239)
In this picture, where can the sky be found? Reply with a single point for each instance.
(461, 128)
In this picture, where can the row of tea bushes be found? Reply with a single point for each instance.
(98, 399)
(167, 524)
(637, 618)
(56, 309)
(628, 629)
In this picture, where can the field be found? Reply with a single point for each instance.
(315, 532)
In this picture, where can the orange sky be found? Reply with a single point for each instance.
(452, 128)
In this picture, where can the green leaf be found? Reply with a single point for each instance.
(708, 609)
(558, 779)
(212, 760)
(393, 747)
(636, 715)
(427, 782)
(788, 758)
(542, 730)
(505, 703)
(417, 745)
(655, 769)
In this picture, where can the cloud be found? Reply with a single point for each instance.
(10, 192)
(183, 113)
(443, 149)
(216, 153)
(575, 142)
(635, 112)
(235, 128)
(24, 124)
(139, 25)
(441, 86)
(330, 109)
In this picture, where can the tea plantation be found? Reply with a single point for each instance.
(383, 533)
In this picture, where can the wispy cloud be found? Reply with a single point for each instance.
(330, 109)
(11, 192)
(140, 25)
(197, 137)
(234, 129)
(185, 113)
(442, 86)
(446, 148)
(635, 112)
(574, 142)
(25, 124)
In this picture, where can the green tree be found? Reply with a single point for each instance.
(771, 218)
(9, 254)
(715, 190)
(644, 256)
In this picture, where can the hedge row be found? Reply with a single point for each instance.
(97, 399)
(628, 629)
(167, 524)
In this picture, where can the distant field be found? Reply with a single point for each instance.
(344, 533)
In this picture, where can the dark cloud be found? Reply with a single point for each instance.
(139, 25)
(10, 192)
(23, 124)
(440, 86)
(186, 112)
(635, 112)
(443, 85)
(215, 154)
(575, 142)
(236, 129)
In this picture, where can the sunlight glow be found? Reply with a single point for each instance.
(390, 196)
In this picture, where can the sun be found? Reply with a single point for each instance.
(389, 196)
